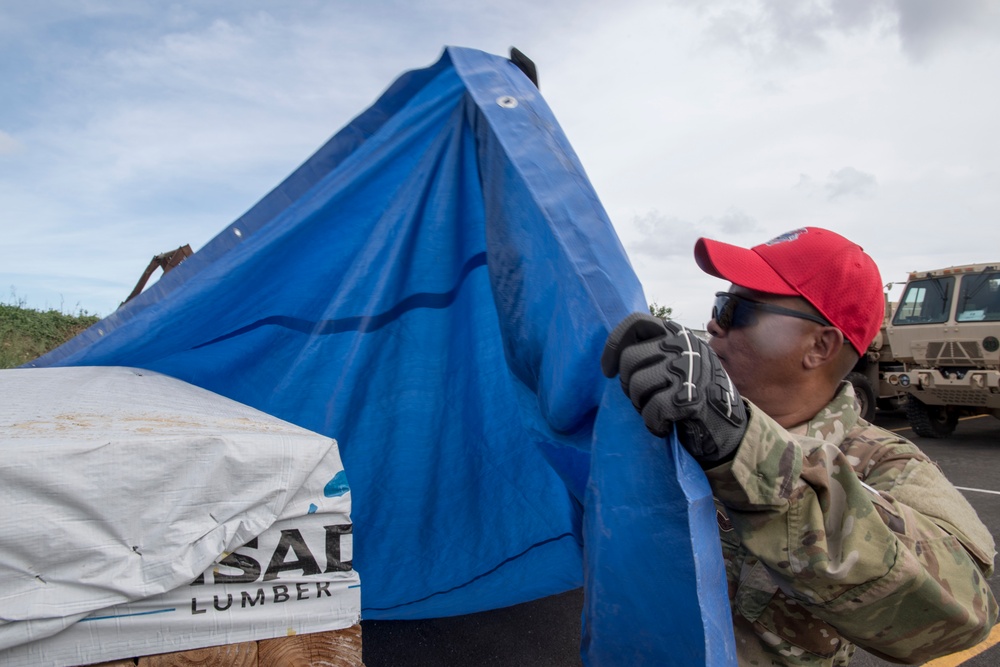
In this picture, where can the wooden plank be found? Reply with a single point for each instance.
(229, 655)
(336, 648)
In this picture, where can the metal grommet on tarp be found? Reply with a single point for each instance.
(507, 102)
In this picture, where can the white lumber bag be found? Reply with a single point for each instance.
(140, 514)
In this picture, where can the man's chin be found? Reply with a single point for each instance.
(741, 387)
(725, 365)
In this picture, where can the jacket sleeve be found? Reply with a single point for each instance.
(897, 564)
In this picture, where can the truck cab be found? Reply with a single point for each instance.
(946, 331)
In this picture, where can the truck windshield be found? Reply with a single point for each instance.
(925, 301)
(979, 298)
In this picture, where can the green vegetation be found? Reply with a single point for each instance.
(663, 312)
(26, 334)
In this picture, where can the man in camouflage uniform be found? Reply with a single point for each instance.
(835, 532)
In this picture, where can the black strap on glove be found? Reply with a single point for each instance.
(674, 377)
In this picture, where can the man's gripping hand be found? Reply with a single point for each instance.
(673, 377)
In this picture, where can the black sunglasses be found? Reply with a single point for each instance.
(733, 312)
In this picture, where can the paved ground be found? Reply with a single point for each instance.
(546, 632)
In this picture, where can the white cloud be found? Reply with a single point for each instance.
(841, 183)
(8, 144)
(778, 30)
(662, 236)
(666, 236)
(143, 128)
(735, 221)
(926, 26)
(130, 129)
(849, 182)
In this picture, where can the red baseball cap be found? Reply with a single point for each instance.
(830, 272)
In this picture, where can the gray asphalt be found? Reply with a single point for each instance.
(546, 632)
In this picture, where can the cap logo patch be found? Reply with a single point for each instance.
(787, 236)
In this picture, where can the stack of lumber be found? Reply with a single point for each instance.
(336, 648)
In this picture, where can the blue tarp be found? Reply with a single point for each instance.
(433, 289)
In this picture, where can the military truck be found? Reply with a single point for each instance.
(946, 332)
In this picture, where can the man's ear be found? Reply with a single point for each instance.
(825, 347)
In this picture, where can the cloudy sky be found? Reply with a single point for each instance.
(130, 128)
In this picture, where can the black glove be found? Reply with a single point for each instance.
(674, 377)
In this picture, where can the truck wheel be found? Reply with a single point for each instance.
(866, 395)
(930, 421)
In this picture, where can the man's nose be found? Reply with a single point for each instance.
(714, 329)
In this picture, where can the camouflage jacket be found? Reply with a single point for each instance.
(838, 533)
